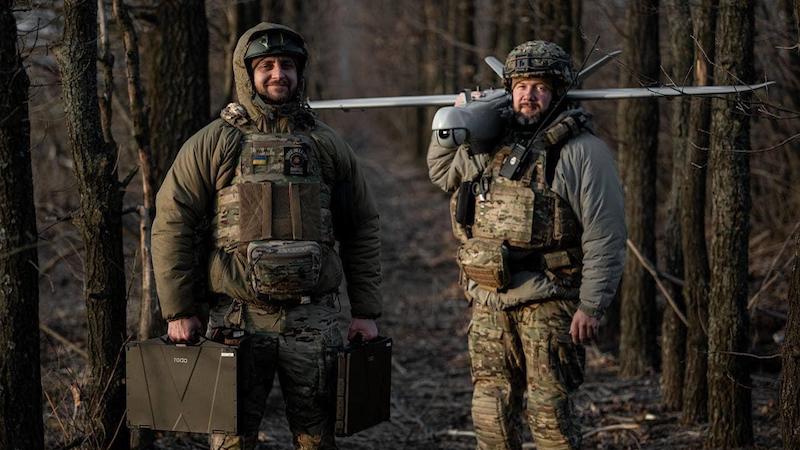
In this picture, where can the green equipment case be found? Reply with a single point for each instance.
(363, 385)
(177, 387)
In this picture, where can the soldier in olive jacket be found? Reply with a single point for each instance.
(274, 189)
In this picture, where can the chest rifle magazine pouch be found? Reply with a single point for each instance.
(485, 262)
(363, 385)
(189, 388)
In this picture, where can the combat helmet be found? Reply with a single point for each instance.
(279, 40)
(539, 59)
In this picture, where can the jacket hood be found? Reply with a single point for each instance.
(296, 110)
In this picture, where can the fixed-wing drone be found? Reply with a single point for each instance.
(478, 118)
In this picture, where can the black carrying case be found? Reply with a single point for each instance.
(177, 387)
(363, 385)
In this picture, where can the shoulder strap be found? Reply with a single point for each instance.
(566, 128)
(557, 135)
(236, 116)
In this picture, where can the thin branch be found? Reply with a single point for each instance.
(67, 343)
(749, 355)
(615, 427)
(649, 267)
(758, 150)
(55, 413)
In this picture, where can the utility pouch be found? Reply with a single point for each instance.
(567, 360)
(465, 204)
(485, 262)
(284, 268)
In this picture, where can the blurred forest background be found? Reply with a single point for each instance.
(702, 349)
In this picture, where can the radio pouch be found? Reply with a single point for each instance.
(465, 204)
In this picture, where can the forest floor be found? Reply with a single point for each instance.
(427, 317)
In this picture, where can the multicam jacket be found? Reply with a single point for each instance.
(586, 177)
(206, 164)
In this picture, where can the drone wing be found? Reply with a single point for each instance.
(384, 102)
(664, 91)
(575, 94)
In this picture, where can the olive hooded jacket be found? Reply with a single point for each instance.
(586, 177)
(207, 163)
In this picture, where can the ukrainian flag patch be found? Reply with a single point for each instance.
(260, 160)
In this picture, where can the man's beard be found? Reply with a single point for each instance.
(527, 119)
(277, 99)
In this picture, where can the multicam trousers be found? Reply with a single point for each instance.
(299, 345)
(527, 349)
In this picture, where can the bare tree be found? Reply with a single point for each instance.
(577, 47)
(505, 37)
(178, 87)
(729, 400)
(693, 240)
(20, 379)
(150, 322)
(638, 145)
(673, 331)
(554, 22)
(790, 373)
(99, 220)
(241, 16)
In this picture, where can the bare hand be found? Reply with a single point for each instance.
(461, 98)
(187, 329)
(584, 328)
(365, 327)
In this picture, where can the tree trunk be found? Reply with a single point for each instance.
(99, 221)
(577, 37)
(729, 398)
(505, 38)
(693, 239)
(790, 373)
(179, 98)
(20, 379)
(241, 16)
(466, 61)
(638, 144)
(449, 69)
(429, 61)
(673, 331)
(272, 11)
(523, 22)
(554, 22)
(150, 322)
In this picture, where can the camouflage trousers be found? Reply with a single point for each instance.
(525, 350)
(298, 344)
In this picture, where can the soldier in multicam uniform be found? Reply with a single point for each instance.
(542, 249)
(278, 188)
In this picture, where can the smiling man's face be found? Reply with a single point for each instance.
(532, 97)
(275, 78)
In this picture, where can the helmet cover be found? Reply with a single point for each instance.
(539, 59)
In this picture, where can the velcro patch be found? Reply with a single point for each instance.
(295, 161)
